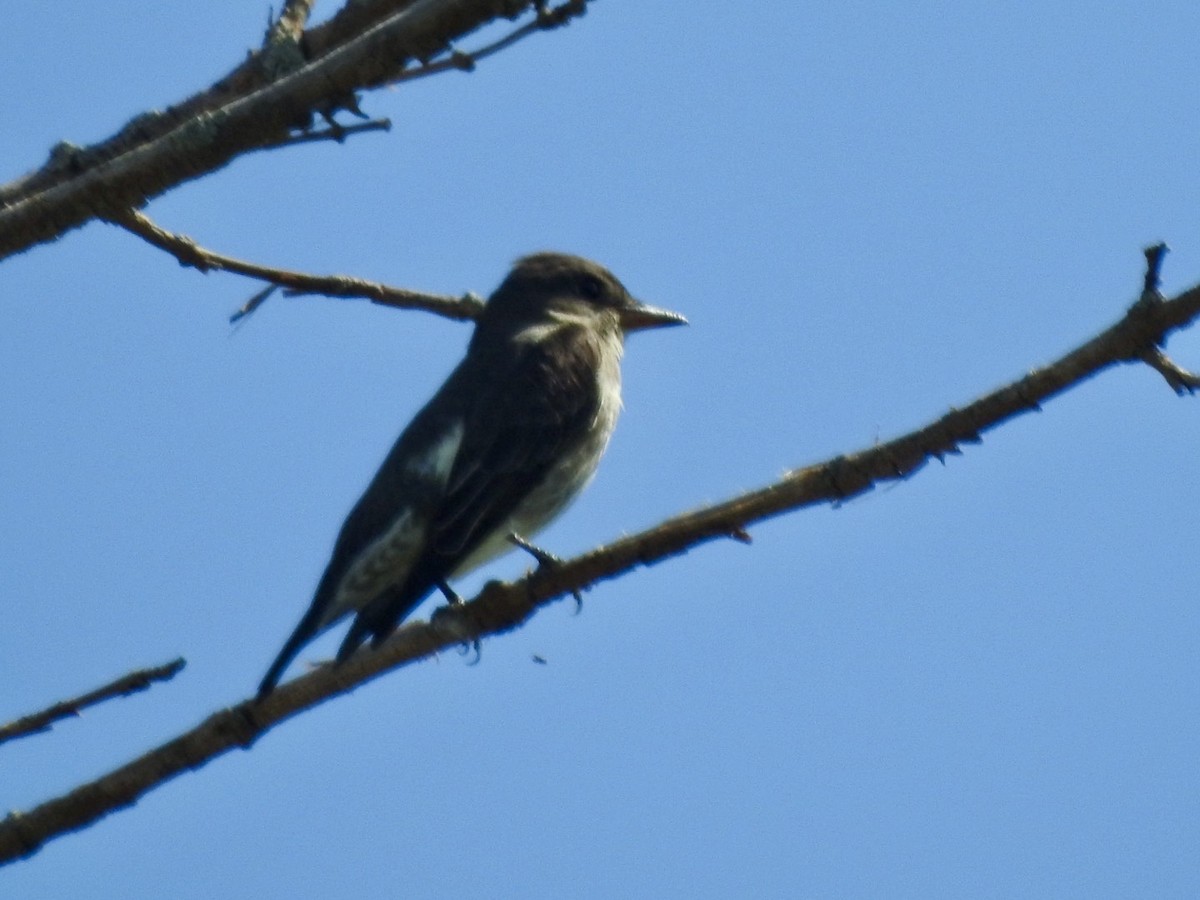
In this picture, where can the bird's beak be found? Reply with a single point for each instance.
(638, 316)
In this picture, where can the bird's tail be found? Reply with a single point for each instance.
(310, 626)
(359, 631)
(380, 617)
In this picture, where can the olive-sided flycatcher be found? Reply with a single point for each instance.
(502, 448)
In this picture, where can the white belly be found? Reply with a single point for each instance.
(563, 483)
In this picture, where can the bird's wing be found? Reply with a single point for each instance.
(516, 437)
(515, 430)
(386, 530)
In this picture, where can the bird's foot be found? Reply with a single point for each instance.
(475, 646)
(545, 559)
(454, 600)
(449, 593)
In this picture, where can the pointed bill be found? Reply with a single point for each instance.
(640, 316)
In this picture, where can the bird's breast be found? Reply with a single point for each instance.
(569, 475)
(578, 463)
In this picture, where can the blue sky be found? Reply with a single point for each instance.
(981, 682)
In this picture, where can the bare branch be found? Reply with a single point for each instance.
(132, 683)
(502, 607)
(191, 254)
(158, 151)
(67, 161)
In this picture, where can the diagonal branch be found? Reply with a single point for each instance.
(131, 683)
(502, 607)
(159, 151)
(285, 49)
(191, 254)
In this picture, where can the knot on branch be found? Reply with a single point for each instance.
(14, 823)
(464, 62)
(548, 18)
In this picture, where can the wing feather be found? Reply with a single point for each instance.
(515, 431)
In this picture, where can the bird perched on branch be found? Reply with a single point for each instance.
(502, 448)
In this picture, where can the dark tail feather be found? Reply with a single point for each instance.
(380, 617)
(305, 632)
(359, 631)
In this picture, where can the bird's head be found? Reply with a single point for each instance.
(558, 285)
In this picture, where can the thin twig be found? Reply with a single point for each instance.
(292, 19)
(1181, 380)
(334, 132)
(463, 61)
(135, 681)
(502, 607)
(1155, 254)
(191, 254)
(282, 53)
(252, 304)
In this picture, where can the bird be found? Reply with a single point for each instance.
(502, 448)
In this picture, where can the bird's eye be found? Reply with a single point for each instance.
(591, 287)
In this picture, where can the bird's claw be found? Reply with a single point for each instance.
(445, 616)
(547, 559)
(467, 646)
(544, 557)
(449, 593)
